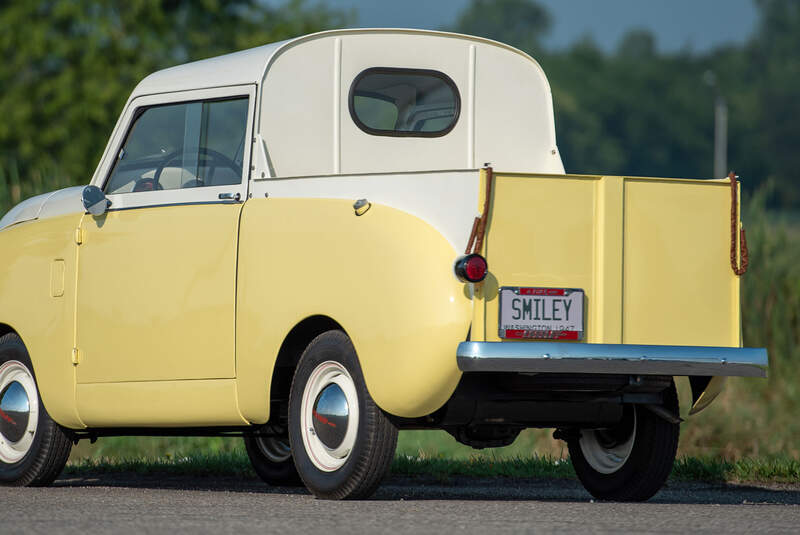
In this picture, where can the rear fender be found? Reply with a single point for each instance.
(386, 277)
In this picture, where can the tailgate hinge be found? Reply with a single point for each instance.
(75, 356)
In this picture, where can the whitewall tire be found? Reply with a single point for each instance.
(342, 443)
(632, 460)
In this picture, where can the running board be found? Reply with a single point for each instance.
(571, 357)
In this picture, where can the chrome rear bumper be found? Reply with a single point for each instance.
(570, 357)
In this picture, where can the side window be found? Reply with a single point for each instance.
(404, 102)
(185, 145)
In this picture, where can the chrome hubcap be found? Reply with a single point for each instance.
(19, 411)
(14, 412)
(330, 416)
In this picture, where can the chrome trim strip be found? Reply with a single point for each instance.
(571, 357)
(366, 174)
(163, 205)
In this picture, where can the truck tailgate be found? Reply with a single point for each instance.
(651, 254)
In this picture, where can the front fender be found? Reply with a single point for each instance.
(37, 299)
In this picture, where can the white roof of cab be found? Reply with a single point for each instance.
(238, 68)
(250, 66)
(303, 125)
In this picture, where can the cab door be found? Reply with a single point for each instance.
(156, 281)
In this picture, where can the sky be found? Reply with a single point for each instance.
(698, 25)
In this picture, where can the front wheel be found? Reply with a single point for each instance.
(33, 448)
(630, 461)
(342, 442)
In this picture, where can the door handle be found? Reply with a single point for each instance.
(230, 197)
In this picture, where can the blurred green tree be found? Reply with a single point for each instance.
(775, 59)
(69, 65)
(520, 23)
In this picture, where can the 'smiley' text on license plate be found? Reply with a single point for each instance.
(541, 313)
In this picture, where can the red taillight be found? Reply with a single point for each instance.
(471, 268)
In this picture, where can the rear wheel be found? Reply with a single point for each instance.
(342, 442)
(630, 461)
(271, 457)
(33, 448)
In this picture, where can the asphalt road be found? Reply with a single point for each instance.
(168, 504)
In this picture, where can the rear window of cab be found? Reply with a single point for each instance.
(386, 101)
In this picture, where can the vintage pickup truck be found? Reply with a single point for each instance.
(317, 242)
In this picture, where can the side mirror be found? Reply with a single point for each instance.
(95, 201)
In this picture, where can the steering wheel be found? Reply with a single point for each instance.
(217, 160)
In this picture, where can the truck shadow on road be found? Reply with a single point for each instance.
(397, 488)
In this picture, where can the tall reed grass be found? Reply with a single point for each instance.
(756, 417)
(16, 187)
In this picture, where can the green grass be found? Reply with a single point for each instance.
(419, 453)
(228, 463)
(781, 469)
(236, 464)
(154, 447)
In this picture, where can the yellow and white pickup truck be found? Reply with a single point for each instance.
(317, 242)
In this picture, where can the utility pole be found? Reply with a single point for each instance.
(720, 137)
(720, 127)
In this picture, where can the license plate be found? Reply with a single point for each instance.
(541, 313)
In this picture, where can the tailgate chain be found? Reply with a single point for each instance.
(739, 271)
(479, 225)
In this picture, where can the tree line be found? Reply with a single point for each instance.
(69, 66)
